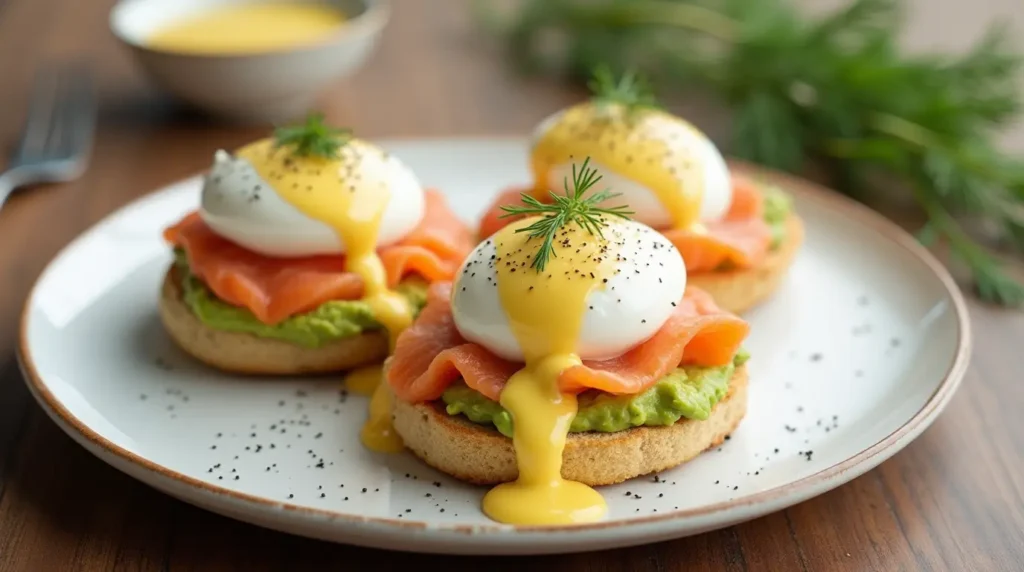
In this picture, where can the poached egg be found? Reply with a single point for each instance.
(250, 208)
(628, 305)
(667, 171)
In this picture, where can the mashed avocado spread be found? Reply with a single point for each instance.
(689, 392)
(330, 321)
(777, 206)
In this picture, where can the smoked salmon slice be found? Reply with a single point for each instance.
(741, 239)
(274, 289)
(431, 355)
(492, 221)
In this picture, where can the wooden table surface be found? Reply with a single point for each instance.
(953, 500)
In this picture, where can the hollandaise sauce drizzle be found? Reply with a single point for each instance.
(377, 434)
(325, 189)
(637, 144)
(545, 310)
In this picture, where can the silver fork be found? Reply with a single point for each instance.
(57, 136)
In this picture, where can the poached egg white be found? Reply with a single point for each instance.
(641, 293)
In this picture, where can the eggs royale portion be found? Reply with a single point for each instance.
(549, 296)
(329, 199)
(305, 200)
(569, 325)
(668, 172)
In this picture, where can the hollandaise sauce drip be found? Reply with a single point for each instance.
(640, 146)
(545, 310)
(324, 190)
(377, 434)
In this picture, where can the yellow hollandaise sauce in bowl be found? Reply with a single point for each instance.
(254, 60)
(248, 28)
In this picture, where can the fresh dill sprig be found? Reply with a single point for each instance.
(631, 91)
(571, 208)
(836, 89)
(313, 138)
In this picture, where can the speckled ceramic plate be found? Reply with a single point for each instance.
(858, 352)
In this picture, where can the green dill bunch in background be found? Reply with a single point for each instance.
(835, 90)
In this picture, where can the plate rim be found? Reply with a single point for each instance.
(799, 488)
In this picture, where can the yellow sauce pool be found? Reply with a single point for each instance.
(248, 28)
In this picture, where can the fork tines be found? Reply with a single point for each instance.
(61, 117)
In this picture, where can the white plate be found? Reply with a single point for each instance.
(855, 356)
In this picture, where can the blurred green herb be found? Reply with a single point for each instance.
(835, 88)
(629, 91)
(313, 138)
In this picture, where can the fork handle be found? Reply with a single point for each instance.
(7, 186)
(14, 178)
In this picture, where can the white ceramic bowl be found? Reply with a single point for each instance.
(271, 86)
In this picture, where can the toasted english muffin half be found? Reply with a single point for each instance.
(739, 290)
(479, 454)
(248, 354)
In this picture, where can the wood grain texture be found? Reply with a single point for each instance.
(953, 500)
